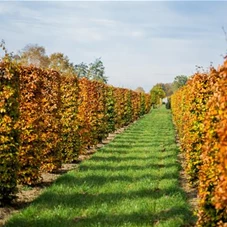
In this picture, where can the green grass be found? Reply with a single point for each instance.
(132, 181)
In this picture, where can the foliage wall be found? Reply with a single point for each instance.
(9, 134)
(200, 114)
(47, 119)
(39, 123)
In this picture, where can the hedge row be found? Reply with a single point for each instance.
(47, 119)
(70, 139)
(39, 123)
(9, 136)
(200, 114)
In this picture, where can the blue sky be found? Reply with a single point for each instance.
(140, 43)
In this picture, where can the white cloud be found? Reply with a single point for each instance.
(103, 22)
(141, 43)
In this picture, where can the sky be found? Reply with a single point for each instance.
(140, 43)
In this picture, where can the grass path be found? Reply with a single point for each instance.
(132, 181)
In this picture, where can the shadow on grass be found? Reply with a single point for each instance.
(129, 145)
(83, 197)
(104, 167)
(105, 220)
(96, 181)
(83, 201)
(114, 157)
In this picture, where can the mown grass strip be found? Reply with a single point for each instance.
(132, 181)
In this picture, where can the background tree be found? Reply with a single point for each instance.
(225, 34)
(179, 81)
(3, 48)
(82, 70)
(157, 93)
(96, 71)
(167, 88)
(33, 55)
(61, 63)
(5, 55)
(140, 90)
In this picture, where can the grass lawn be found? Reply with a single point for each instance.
(132, 181)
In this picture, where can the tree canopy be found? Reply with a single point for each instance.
(33, 54)
(61, 63)
(179, 81)
(93, 71)
(157, 93)
(167, 88)
(140, 90)
(82, 70)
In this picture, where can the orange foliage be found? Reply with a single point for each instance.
(9, 134)
(39, 123)
(70, 140)
(56, 117)
(91, 112)
(200, 113)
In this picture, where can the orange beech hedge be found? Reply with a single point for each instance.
(200, 114)
(91, 112)
(9, 134)
(147, 101)
(110, 108)
(70, 139)
(102, 109)
(189, 109)
(39, 123)
(47, 119)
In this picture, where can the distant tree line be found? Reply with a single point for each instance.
(36, 55)
(162, 90)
